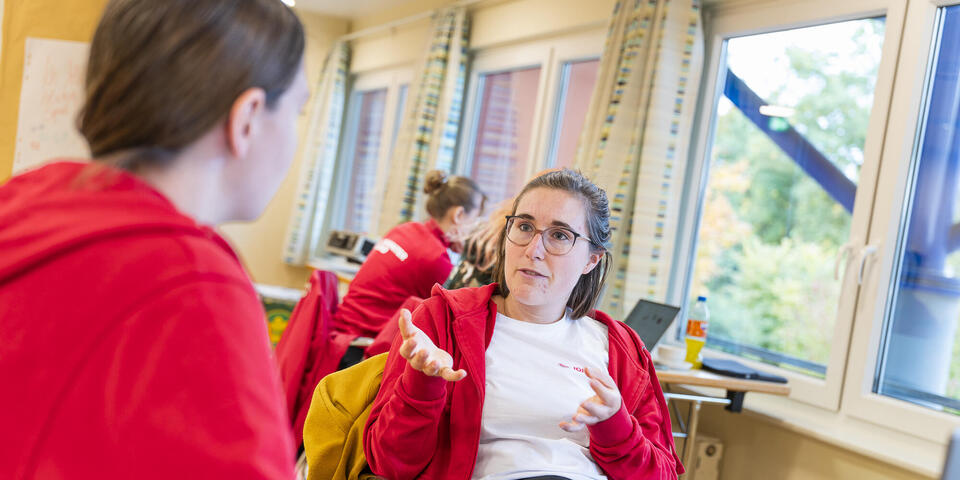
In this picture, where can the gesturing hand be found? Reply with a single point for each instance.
(599, 407)
(423, 355)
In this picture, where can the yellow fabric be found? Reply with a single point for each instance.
(333, 431)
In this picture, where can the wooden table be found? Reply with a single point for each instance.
(736, 389)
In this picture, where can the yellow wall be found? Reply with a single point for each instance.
(758, 448)
(492, 24)
(260, 243)
(57, 19)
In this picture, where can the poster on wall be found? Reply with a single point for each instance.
(50, 98)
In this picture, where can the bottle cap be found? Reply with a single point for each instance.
(701, 299)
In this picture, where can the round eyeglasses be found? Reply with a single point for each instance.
(556, 240)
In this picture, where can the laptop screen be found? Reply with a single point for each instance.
(651, 320)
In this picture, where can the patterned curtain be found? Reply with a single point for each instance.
(320, 156)
(428, 132)
(636, 139)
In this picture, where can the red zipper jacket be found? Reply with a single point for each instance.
(407, 262)
(427, 428)
(133, 344)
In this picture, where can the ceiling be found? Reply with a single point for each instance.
(361, 8)
(348, 8)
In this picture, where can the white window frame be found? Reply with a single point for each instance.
(749, 19)
(905, 121)
(549, 54)
(392, 80)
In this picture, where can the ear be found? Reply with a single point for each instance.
(244, 119)
(594, 261)
(458, 215)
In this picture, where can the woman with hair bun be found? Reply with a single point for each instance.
(412, 256)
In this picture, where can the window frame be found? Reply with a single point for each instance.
(549, 55)
(392, 80)
(905, 122)
(738, 20)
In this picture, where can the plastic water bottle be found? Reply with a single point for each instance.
(696, 336)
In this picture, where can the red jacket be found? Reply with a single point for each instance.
(407, 262)
(442, 420)
(309, 350)
(134, 345)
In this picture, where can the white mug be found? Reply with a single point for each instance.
(671, 353)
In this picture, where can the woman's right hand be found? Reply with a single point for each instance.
(423, 355)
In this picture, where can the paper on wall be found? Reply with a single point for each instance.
(50, 98)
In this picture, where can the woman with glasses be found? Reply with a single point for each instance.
(523, 379)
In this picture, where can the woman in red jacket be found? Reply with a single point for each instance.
(411, 257)
(134, 345)
(523, 379)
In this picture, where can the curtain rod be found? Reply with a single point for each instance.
(404, 21)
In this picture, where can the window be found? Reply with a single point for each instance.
(905, 362)
(371, 122)
(577, 81)
(876, 341)
(526, 105)
(504, 131)
(784, 170)
(366, 117)
(919, 357)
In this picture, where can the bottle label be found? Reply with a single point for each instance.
(696, 328)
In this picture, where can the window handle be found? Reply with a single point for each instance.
(843, 253)
(865, 252)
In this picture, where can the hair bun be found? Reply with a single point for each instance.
(436, 179)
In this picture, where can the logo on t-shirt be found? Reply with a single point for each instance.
(387, 245)
(574, 368)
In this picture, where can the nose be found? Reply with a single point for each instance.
(535, 249)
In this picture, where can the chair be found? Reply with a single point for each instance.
(309, 348)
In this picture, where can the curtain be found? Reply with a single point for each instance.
(636, 136)
(319, 156)
(428, 131)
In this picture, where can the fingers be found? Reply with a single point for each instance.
(572, 427)
(593, 409)
(407, 330)
(408, 348)
(608, 396)
(604, 386)
(452, 375)
(601, 376)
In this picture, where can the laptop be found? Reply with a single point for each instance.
(951, 467)
(651, 320)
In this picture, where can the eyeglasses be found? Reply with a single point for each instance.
(556, 240)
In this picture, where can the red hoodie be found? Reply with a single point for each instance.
(407, 262)
(427, 428)
(133, 342)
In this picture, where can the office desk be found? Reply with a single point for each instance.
(736, 389)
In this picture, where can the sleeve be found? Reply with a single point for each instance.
(405, 413)
(638, 444)
(198, 392)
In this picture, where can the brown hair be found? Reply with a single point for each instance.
(446, 193)
(587, 291)
(162, 73)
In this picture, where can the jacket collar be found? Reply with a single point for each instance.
(435, 229)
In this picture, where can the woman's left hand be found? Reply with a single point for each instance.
(599, 407)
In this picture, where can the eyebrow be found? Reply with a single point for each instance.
(555, 223)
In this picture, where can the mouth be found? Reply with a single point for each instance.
(527, 272)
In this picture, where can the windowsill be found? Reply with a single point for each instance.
(915, 454)
(334, 264)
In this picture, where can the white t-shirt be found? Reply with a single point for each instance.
(534, 381)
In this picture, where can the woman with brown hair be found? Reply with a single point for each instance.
(412, 257)
(523, 379)
(134, 343)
